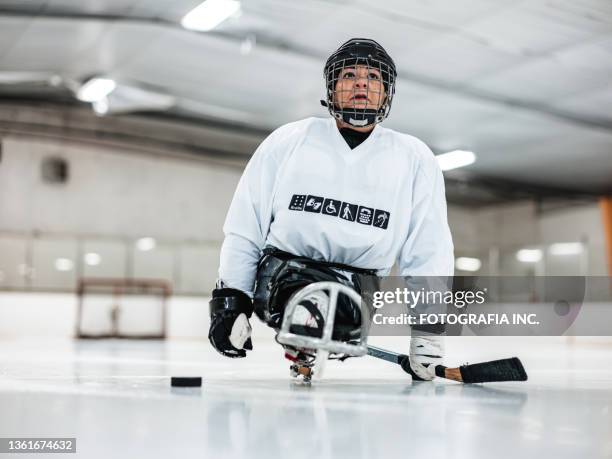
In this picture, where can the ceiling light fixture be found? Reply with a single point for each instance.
(100, 107)
(565, 248)
(144, 244)
(529, 255)
(247, 45)
(64, 264)
(208, 15)
(455, 159)
(96, 89)
(92, 259)
(468, 264)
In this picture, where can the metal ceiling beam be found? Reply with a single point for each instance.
(143, 133)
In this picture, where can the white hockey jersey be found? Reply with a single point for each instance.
(306, 192)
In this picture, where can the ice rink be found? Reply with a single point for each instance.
(115, 397)
(155, 153)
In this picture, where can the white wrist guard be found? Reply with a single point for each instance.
(241, 331)
(425, 353)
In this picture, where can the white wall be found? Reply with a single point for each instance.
(466, 234)
(513, 226)
(112, 193)
(508, 225)
(580, 224)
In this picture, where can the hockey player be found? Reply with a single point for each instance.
(345, 196)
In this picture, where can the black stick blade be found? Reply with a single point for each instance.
(495, 371)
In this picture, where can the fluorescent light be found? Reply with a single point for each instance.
(455, 159)
(95, 89)
(468, 264)
(529, 255)
(64, 264)
(208, 15)
(55, 80)
(100, 106)
(565, 248)
(145, 244)
(247, 45)
(92, 259)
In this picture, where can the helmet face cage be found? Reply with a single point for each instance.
(349, 76)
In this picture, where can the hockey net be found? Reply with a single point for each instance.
(122, 308)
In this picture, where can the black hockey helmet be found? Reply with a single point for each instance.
(362, 52)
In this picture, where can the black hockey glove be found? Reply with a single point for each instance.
(230, 330)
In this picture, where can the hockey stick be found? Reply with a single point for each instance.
(493, 371)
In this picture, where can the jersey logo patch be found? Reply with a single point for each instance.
(345, 210)
(381, 219)
(297, 202)
(365, 215)
(332, 207)
(313, 204)
(349, 211)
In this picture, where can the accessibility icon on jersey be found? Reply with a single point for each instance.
(365, 215)
(331, 207)
(349, 211)
(381, 219)
(297, 202)
(336, 208)
(313, 204)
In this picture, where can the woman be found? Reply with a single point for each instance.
(343, 191)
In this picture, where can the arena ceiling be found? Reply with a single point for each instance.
(525, 85)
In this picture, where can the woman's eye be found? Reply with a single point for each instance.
(348, 75)
(373, 76)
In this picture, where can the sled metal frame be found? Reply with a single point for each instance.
(325, 343)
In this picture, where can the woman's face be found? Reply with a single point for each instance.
(359, 87)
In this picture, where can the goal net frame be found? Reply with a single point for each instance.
(118, 289)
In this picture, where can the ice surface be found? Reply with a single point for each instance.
(115, 397)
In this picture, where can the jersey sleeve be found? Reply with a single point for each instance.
(248, 219)
(428, 249)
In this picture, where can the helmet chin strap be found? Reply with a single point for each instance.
(360, 118)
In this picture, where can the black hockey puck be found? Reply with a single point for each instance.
(186, 381)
